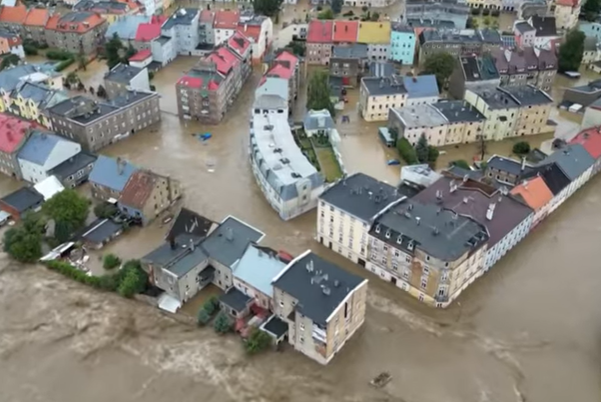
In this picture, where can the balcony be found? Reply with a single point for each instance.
(319, 334)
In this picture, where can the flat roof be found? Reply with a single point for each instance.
(423, 115)
(458, 111)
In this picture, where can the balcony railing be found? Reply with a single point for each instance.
(319, 334)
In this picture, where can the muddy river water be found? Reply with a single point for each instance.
(527, 331)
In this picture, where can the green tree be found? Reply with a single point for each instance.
(486, 21)
(521, 148)
(440, 64)
(318, 93)
(462, 163)
(209, 306)
(269, 8)
(72, 78)
(105, 210)
(591, 9)
(24, 243)
(203, 318)
(406, 151)
(114, 51)
(111, 261)
(257, 341)
(571, 51)
(62, 231)
(67, 207)
(132, 279)
(297, 48)
(9, 61)
(421, 149)
(433, 154)
(101, 92)
(375, 16)
(337, 6)
(326, 15)
(222, 324)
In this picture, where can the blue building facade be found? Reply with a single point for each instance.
(591, 29)
(402, 44)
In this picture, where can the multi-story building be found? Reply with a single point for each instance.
(591, 51)
(13, 134)
(530, 8)
(290, 33)
(511, 112)
(206, 21)
(345, 213)
(110, 10)
(378, 95)
(287, 66)
(421, 89)
(13, 17)
(464, 122)
(592, 28)
(345, 32)
(455, 12)
(590, 139)
(209, 89)
(467, 42)
(566, 13)
(556, 181)
(225, 25)
(376, 35)
(535, 193)
(322, 304)
(402, 43)
(13, 77)
(97, 124)
(319, 42)
(411, 122)
(31, 101)
(273, 94)
(259, 30)
(546, 31)
(472, 71)
(123, 78)
(348, 61)
(507, 171)
(126, 28)
(34, 24)
(109, 177)
(182, 28)
(76, 32)
(11, 43)
(429, 251)
(525, 34)
(528, 66)
(507, 221)
(74, 171)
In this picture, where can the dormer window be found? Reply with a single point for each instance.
(399, 239)
(378, 229)
(388, 234)
(410, 245)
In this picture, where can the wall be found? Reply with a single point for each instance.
(376, 108)
(288, 34)
(402, 47)
(221, 35)
(188, 286)
(592, 118)
(260, 298)
(510, 240)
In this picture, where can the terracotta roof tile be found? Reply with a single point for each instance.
(320, 31)
(226, 19)
(138, 189)
(15, 14)
(36, 17)
(345, 31)
(141, 55)
(251, 31)
(12, 132)
(590, 139)
(534, 192)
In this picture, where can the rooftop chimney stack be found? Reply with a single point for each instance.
(192, 245)
(523, 163)
(491, 211)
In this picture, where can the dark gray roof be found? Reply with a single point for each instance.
(400, 27)
(460, 172)
(536, 156)
(183, 16)
(553, 176)
(72, 165)
(23, 199)
(360, 195)
(528, 95)
(76, 16)
(379, 69)
(122, 73)
(392, 85)
(276, 327)
(511, 97)
(573, 160)
(227, 243)
(458, 111)
(437, 231)
(524, 27)
(190, 223)
(479, 68)
(354, 51)
(508, 165)
(235, 299)
(591, 87)
(544, 26)
(318, 285)
(101, 230)
(179, 258)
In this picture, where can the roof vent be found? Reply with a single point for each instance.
(229, 234)
(310, 266)
(326, 290)
(336, 283)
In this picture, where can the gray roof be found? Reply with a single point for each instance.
(573, 160)
(106, 6)
(544, 26)
(235, 299)
(511, 97)
(272, 93)
(400, 27)
(524, 26)
(112, 172)
(318, 119)
(421, 86)
(101, 230)
(460, 37)
(179, 258)
(431, 23)
(361, 196)
(421, 115)
(122, 73)
(591, 87)
(458, 111)
(275, 326)
(354, 51)
(438, 232)
(190, 223)
(318, 285)
(126, 26)
(508, 165)
(23, 199)
(39, 146)
(227, 243)
(72, 165)
(528, 95)
(11, 77)
(376, 86)
(380, 69)
(461, 172)
(183, 16)
(479, 68)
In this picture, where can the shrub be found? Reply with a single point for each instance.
(30, 50)
(406, 151)
(348, 14)
(111, 261)
(209, 307)
(462, 163)
(63, 64)
(105, 210)
(495, 13)
(486, 12)
(203, 317)
(319, 8)
(475, 11)
(521, 148)
(257, 341)
(222, 324)
(58, 54)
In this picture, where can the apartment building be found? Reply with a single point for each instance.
(273, 95)
(411, 122)
(109, 177)
(259, 30)
(534, 193)
(110, 10)
(402, 43)
(122, 78)
(322, 304)
(208, 90)
(455, 12)
(566, 13)
(225, 25)
(345, 33)
(286, 66)
(511, 112)
(319, 42)
(505, 170)
(527, 66)
(345, 212)
(380, 94)
(465, 42)
(348, 61)
(590, 139)
(464, 122)
(546, 31)
(182, 28)
(77, 32)
(421, 89)
(13, 135)
(555, 179)
(13, 17)
(472, 71)
(376, 35)
(34, 24)
(32, 100)
(96, 124)
(429, 251)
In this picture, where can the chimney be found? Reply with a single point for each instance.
(491, 211)
(417, 219)
(523, 163)
(326, 290)
(191, 244)
(229, 234)
(119, 166)
(310, 266)
(172, 242)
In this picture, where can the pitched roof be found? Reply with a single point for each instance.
(23, 199)
(226, 19)
(72, 165)
(554, 177)
(319, 286)
(224, 60)
(141, 55)
(126, 27)
(286, 56)
(235, 299)
(227, 243)
(148, 31)
(534, 192)
(190, 223)
(508, 165)
(590, 139)
(573, 160)
(138, 189)
(39, 147)
(258, 266)
(12, 132)
(524, 26)
(280, 71)
(251, 31)
(421, 86)
(207, 16)
(100, 231)
(111, 172)
(239, 43)
(320, 31)
(178, 258)
(345, 31)
(36, 17)
(83, 21)
(354, 51)
(374, 32)
(14, 15)
(318, 119)
(122, 73)
(545, 26)
(378, 86)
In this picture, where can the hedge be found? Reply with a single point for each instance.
(63, 64)
(406, 151)
(58, 54)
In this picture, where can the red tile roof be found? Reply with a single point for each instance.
(66, 22)
(281, 71)
(590, 139)
(138, 189)
(148, 31)
(345, 31)
(141, 55)
(320, 31)
(207, 16)
(287, 56)
(12, 132)
(534, 192)
(198, 82)
(224, 59)
(569, 3)
(239, 43)
(14, 15)
(226, 19)
(251, 31)
(53, 21)
(37, 17)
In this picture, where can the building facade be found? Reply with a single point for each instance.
(13, 135)
(319, 42)
(76, 32)
(378, 95)
(123, 78)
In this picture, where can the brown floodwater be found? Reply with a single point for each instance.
(529, 330)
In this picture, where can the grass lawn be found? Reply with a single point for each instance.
(329, 165)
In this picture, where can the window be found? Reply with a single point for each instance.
(301, 339)
(424, 283)
(282, 303)
(301, 326)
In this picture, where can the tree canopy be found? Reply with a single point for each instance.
(24, 242)
(269, 8)
(222, 324)
(462, 163)
(67, 207)
(318, 93)
(421, 149)
(591, 9)
(116, 52)
(326, 15)
(571, 51)
(440, 64)
(257, 341)
(337, 6)
(521, 148)
(9, 61)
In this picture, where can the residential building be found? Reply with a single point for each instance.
(12, 77)
(182, 28)
(13, 134)
(592, 28)
(534, 193)
(34, 24)
(319, 122)
(99, 233)
(11, 43)
(378, 95)
(473, 71)
(97, 124)
(287, 66)
(417, 177)
(76, 32)
(411, 122)
(591, 50)
(421, 89)
(289, 182)
(464, 122)
(592, 115)
(511, 112)
(418, 24)
(164, 50)
(345, 212)
(273, 95)
(110, 10)
(146, 195)
(566, 14)
(455, 12)
(319, 42)
(207, 91)
(345, 32)
(528, 66)
(402, 43)
(466, 42)
(150, 31)
(585, 95)
(530, 8)
(376, 34)
(109, 177)
(322, 304)
(206, 21)
(507, 171)
(42, 152)
(12, 17)
(75, 170)
(21, 202)
(555, 179)
(381, 69)
(225, 25)
(123, 78)
(295, 31)
(590, 139)
(141, 59)
(259, 31)
(32, 100)
(126, 29)
(348, 61)
(525, 34)
(546, 31)
(429, 251)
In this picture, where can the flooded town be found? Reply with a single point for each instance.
(468, 276)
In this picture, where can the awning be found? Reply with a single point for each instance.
(275, 327)
(169, 303)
